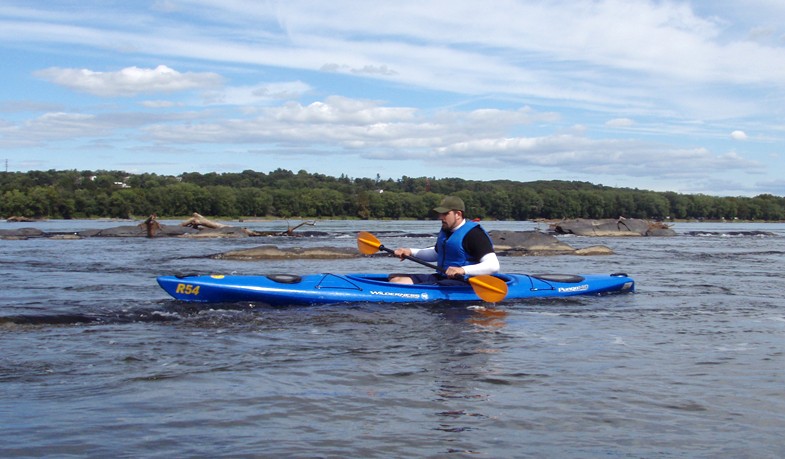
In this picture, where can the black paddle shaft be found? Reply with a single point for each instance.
(414, 259)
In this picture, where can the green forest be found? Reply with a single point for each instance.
(285, 194)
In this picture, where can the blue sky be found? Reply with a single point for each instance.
(660, 95)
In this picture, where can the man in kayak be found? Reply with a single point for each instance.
(462, 249)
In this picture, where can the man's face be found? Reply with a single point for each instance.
(451, 219)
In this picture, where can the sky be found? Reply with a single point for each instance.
(684, 96)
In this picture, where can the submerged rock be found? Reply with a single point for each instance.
(594, 250)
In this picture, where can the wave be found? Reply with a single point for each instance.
(730, 234)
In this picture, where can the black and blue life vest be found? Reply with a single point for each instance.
(450, 249)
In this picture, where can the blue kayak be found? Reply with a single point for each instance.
(288, 289)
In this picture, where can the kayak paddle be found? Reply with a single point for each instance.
(488, 288)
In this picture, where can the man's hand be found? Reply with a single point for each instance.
(455, 272)
(403, 253)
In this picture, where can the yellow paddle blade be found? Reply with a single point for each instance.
(367, 243)
(489, 288)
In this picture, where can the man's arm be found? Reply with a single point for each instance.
(489, 264)
(479, 247)
(428, 254)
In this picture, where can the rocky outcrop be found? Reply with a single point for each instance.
(195, 227)
(136, 231)
(521, 243)
(506, 243)
(271, 252)
(612, 227)
(527, 241)
(20, 233)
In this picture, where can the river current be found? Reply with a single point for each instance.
(97, 361)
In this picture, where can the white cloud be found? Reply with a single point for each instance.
(56, 126)
(264, 93)
(620, 122)
(52, 128)
(665, 47)
(339, 125)
(342, 110)
(738, 135)
(129, 81)
(159, 104)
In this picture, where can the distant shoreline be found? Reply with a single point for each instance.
(273, 219)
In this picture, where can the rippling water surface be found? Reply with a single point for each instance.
(97, 361)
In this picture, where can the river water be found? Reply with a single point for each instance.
(97, 361)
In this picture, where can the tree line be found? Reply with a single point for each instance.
(285, 194)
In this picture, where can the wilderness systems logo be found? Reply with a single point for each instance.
(577, 288)
(408, 296)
